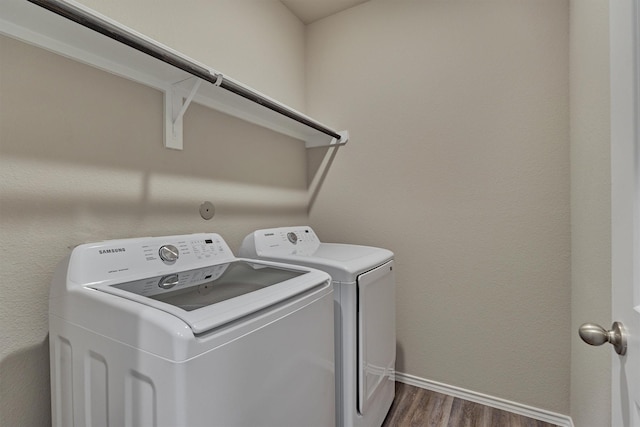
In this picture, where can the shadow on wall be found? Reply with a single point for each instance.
(399, 358)
(22, 387)
(319, 162)
(23, 206)
(97, 144)
(75, 114)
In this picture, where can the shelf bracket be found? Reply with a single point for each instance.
(322, 141)
(174, 109)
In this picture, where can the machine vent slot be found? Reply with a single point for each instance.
(97, 389)
(140, 406)
(63, 404)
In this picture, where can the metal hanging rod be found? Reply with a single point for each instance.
(92, 22)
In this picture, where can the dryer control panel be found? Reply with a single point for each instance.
(147, 256)
(300, 240)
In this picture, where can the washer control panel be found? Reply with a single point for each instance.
(203, 278)
(147, 256)
(282, 241)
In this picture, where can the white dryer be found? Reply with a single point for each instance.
(365, 334)
(176, 331)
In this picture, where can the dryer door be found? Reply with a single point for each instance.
(376, 333)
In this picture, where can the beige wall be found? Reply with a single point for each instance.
(459, 163)
(590, 210)
(81, 160)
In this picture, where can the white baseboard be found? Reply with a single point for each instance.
(494, 402)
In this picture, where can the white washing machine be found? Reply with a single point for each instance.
(365, 334)
(176, 331)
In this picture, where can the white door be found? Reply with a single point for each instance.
(625, 206)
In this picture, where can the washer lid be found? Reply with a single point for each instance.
(343, 262)
(208, 297)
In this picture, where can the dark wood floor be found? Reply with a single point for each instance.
(415, 406)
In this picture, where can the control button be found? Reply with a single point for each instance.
(293, 238)
(168, 282)
(168, 253)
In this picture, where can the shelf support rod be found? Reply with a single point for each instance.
(194, 89)
(174, 109)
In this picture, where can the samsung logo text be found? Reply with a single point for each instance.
(111, 251)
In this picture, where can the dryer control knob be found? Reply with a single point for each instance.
(168, 253)
(293, 237)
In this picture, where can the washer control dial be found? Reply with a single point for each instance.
(168, 282)
(168, 253)
(293, 238)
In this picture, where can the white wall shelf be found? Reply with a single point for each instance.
(93, 39)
